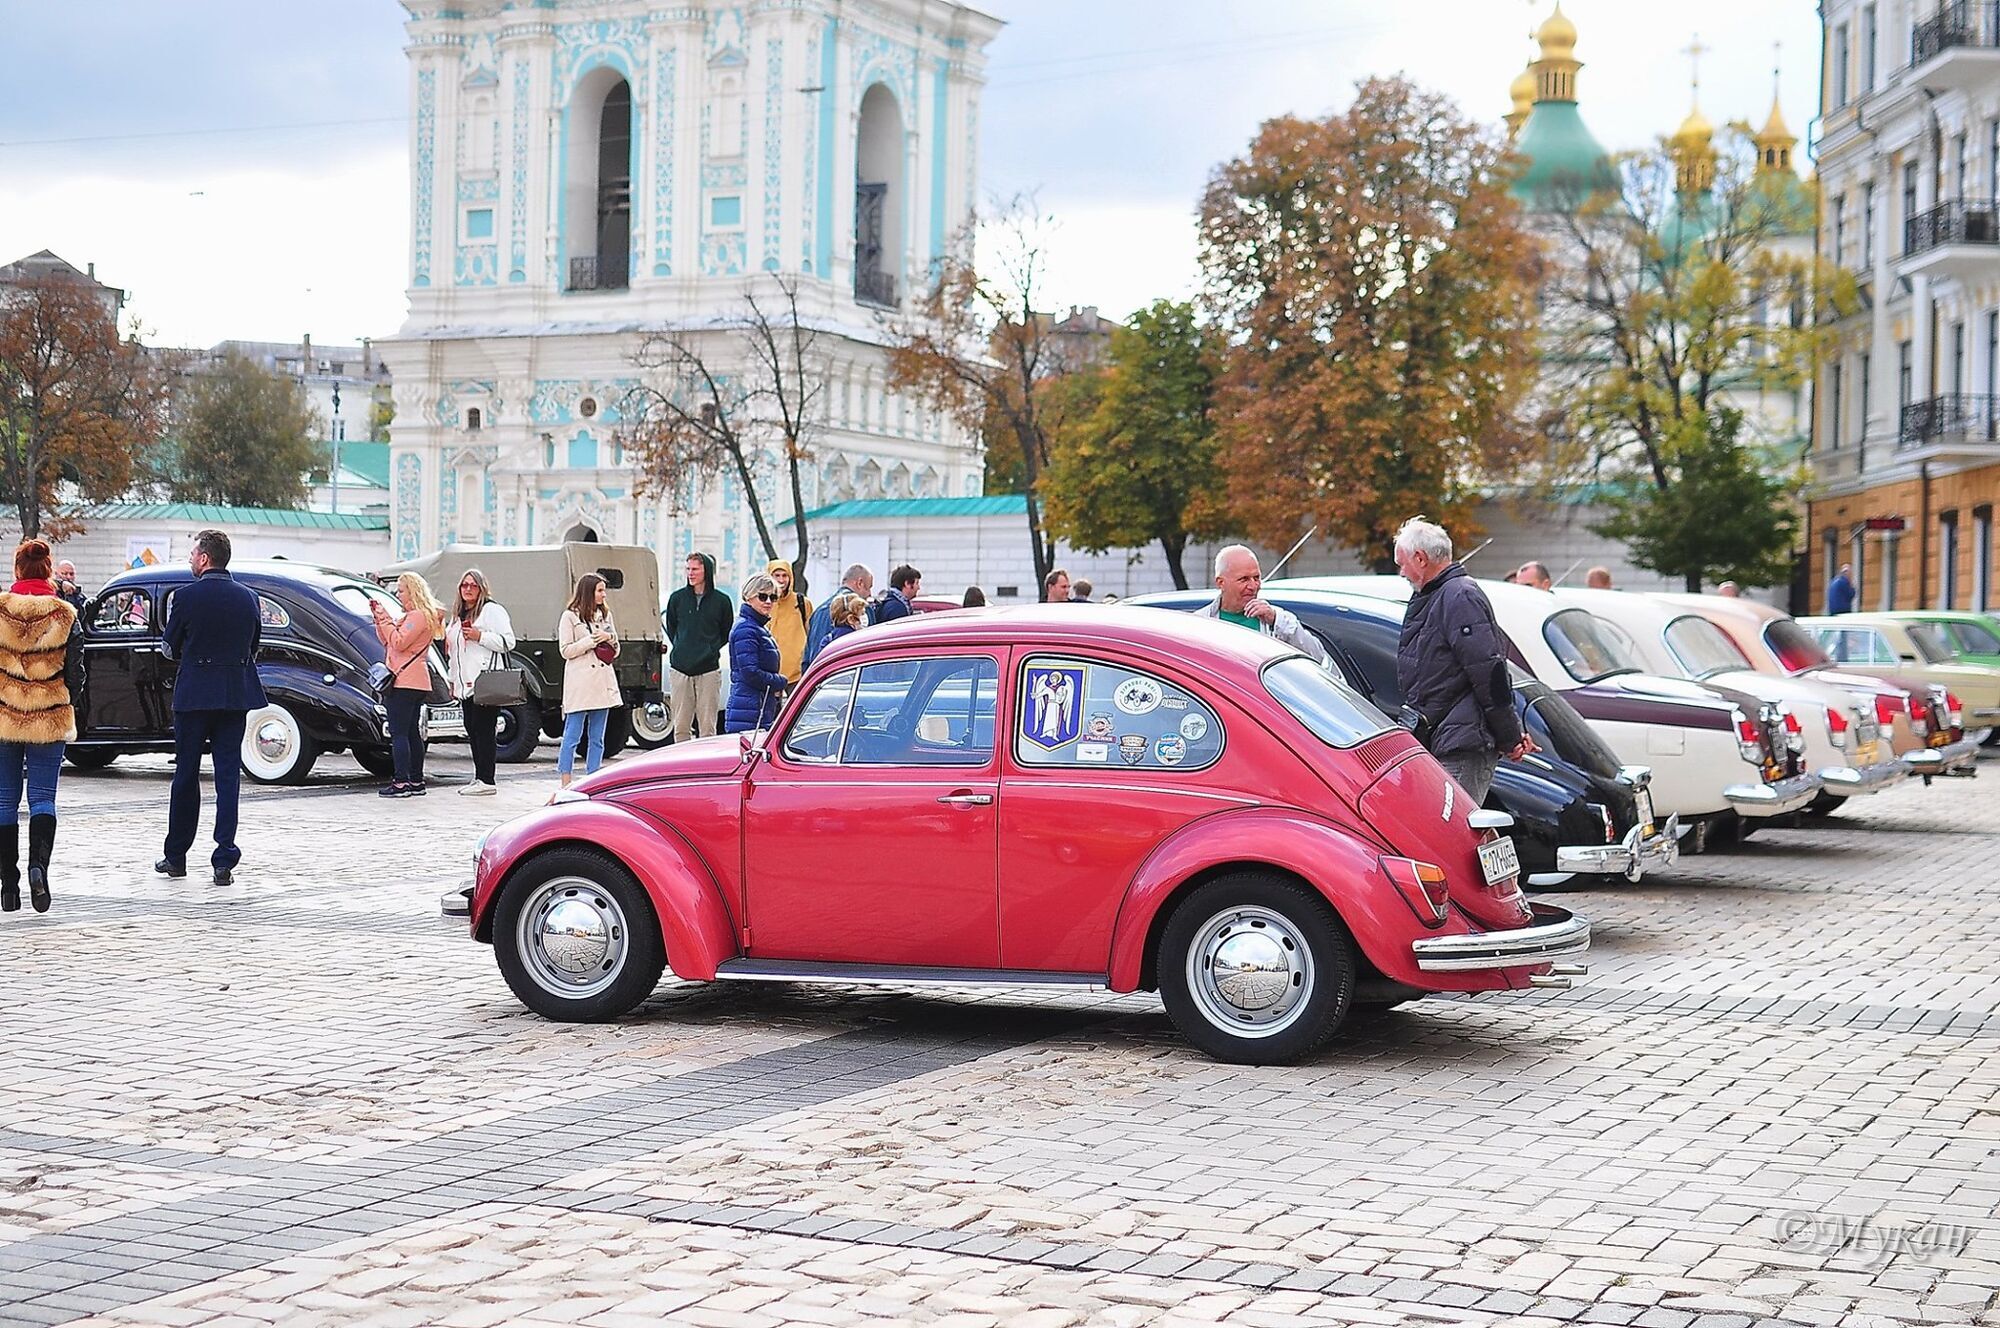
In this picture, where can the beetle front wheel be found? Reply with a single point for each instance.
(1256, 969)
(576, 937)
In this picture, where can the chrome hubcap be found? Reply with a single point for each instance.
(572, 937)
(651, 721)
(274, 740)
(1250, 971)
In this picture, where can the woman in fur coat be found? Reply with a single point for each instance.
(37, 636)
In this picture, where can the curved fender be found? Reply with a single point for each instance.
(1339, 864)
(694, 920)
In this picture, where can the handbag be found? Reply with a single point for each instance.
(605, 651)
(499, 688)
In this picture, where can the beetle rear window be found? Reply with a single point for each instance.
(1337, 715)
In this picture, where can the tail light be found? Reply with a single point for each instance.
(1421, 884)
(1795, 734)
(1920, 715)
(1954, 712)
(1837, 726)
(1604, 815)
(1749, 739)
(1885, 711)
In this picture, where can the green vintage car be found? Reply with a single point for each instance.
(1972, 637)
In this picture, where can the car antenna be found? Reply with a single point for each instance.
(1272, 575)
(1475, 553)
(1566, 571)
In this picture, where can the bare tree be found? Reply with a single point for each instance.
(739, 396)
(979, 350)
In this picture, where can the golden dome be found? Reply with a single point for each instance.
(1774, 130)
(1557, 36)
(1522, 90)
(1695, 131)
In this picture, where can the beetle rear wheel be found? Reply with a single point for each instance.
(576, 937)
(276, 747)
(1256, 969)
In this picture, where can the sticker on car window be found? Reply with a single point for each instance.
(1075, 713)
(1055, 696)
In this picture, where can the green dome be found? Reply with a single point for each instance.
(1688, 221)
(1788, 199)
(1566, 164)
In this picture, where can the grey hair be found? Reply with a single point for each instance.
(761, 581)
(1224, 553)
(858, 572)
(1426, 537)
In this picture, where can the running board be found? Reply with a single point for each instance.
(807, 970)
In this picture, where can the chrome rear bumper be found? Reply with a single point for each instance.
(1787, 795)
(1555, 934)
(1955, 759)
(1846, 781)
(1631, 857)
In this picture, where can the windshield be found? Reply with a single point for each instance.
(1337, 715)
(355, 595)
(1703, 649)
(1586, 649)
(1794, 646)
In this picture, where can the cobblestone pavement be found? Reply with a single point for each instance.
(306, 1099)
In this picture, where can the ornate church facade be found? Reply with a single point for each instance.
(587, 172)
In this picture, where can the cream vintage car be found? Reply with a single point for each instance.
(1885, 644)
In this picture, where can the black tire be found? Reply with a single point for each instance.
(609, 964)
(648, 731)
(516, 732)
(1279, 920)
(377, 761)
(89, 758)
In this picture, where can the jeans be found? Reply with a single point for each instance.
(406, 740)
(1472, 770)
(38, 763)
(480, 723)
(222, 732)
(697, 702)
(574, 724)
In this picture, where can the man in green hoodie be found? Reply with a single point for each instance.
(699, 618)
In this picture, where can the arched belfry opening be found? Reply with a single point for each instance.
(880, 198)
(597, 183)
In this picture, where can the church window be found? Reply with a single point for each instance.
(472, 420)
(479, 223)
(879, 200)
(597, 183)
(583, 452)
(725, 212)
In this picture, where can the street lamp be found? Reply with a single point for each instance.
(336, 449)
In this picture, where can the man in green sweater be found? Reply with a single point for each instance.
(699, 618)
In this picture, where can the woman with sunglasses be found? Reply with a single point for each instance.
(756, 687)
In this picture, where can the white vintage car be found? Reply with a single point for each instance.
(1843, 744)
(1716, 753)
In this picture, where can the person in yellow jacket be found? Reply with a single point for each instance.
(789, 619)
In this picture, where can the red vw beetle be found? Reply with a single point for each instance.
(1099, 797)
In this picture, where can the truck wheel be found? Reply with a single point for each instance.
(516, 731)
(1256, 969)
(276, 747)
(651, 725)
(576, 937)
(89, 758)
(377, 761)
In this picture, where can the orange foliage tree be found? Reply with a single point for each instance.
(77, 403)
(1377, 292)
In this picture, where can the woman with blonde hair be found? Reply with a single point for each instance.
(38, 658)
(406, 643)
(477, 636)
(756, 683)
(588, 639)
(848, 613)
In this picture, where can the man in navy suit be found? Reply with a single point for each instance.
(213, 628)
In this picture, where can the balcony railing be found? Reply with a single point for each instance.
(1960, 416)
(872, 287)
(1956, 23)
(1951, 223)
(602, 272)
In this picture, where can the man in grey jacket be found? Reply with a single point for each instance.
(1241, 582)
(1451, 663)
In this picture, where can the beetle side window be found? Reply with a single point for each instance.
(1077, 712)
(1337, 715)
(814, 738)
(923, 712)
(123, 611)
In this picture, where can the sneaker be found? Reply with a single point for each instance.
(416, 790)
(391, 791)
(477, 790)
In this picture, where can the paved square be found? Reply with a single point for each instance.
(306, 1099)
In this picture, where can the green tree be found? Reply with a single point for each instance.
(245, 436)
(1717, 517)
(1140, 465)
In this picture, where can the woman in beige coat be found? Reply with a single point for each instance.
(588, 639)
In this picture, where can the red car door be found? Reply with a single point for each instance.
(869, 834)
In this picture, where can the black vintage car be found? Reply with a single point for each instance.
(318, 643)
(1576, 810)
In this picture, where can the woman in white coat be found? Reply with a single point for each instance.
(588, 640)
(477, 637)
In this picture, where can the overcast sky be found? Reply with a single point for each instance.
(240, 166)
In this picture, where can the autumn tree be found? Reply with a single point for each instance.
(980, 350)
(1138, 465)
(740, 396)
(77, 402)
(1375, 287)
(1721, 516)
(244, 435)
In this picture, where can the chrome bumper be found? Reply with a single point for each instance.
(456, 903)
(1787, 795)
(1555, 934)
(1631, 857)
(1846, 781)
(1956, 759)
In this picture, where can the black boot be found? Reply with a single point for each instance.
(41, 843)
(10, 868)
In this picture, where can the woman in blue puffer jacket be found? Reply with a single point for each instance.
(756, 687)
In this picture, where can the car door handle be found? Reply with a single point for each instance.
(968, 799)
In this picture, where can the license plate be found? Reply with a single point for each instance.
(447, 715)
(1643, 799)
(1498, 860)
